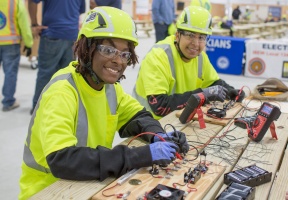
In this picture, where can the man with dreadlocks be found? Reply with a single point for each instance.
(72, 129)
(177, 67)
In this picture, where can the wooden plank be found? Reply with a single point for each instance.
(266, 154)
(65, 189)
(148, 183)
(280, 186)
(229, 114)
(171, 119)
(226, 156)
(206, 182)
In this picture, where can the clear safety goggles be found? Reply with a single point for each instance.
(193, 37)
(111, 53)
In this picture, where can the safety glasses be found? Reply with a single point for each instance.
(112, 53)
(194, 37)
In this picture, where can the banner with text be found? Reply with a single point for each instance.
(226, 54)
(267, 59)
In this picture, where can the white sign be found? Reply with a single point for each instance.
(267, 59)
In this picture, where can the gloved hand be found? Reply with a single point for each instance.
(233, 93)
(163, 153)
(177, 137)
(28, 51)
(215, 93)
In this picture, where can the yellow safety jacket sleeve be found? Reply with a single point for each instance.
(24, 24)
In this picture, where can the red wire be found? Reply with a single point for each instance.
(111, 195)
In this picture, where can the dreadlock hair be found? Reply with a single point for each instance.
(84, 54)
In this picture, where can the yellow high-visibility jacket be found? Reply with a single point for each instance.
(14, 23)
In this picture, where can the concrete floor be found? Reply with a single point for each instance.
(14, 124)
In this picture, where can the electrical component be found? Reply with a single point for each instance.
(258, 124)
(163, 192)
(124, 177)
(193, 105)
(251, 176)
(154, 170)
(216, 112)
(192, 176)
(237, 191)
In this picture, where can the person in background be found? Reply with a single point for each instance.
(226, 24)
(269, 18)
(71, 133)
(112, 3)
(177, 67)
(202, 3)
(163, 15)
(14, 28)
(58, 32)
(247, 14)
(283, 18)
(236, 13)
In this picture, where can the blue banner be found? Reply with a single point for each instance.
(226, 54)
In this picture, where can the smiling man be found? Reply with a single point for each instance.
(177, 67)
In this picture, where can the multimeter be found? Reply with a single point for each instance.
(258, 124)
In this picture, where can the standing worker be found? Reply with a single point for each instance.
(163, 15)
(72, 129)
(58, 32)
(14, 27)
(236, 13)
(247, 14)
(177, 67)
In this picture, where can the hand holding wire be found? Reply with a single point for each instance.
(176, 137)
(163, 153)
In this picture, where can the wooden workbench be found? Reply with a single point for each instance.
(228, 153)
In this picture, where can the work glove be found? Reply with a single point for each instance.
(163, 153)
(233, 93)
(215, 93)
(28, 51)
(177, 137)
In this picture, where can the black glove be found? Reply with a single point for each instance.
(215, 93)
(233, 93)
(177, 137)
(28, 51)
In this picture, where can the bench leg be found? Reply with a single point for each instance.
(147, 32)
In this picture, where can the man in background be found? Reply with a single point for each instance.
(58, 32)
(14, 27)
(236, 13)
(163, 15)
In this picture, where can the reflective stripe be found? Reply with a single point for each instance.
(12, 13)
(168, 51)
(9, 38)
(200, 66)
(11, 23)
(82, 124)
(111, 97)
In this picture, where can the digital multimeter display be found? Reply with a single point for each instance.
(266, 109)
